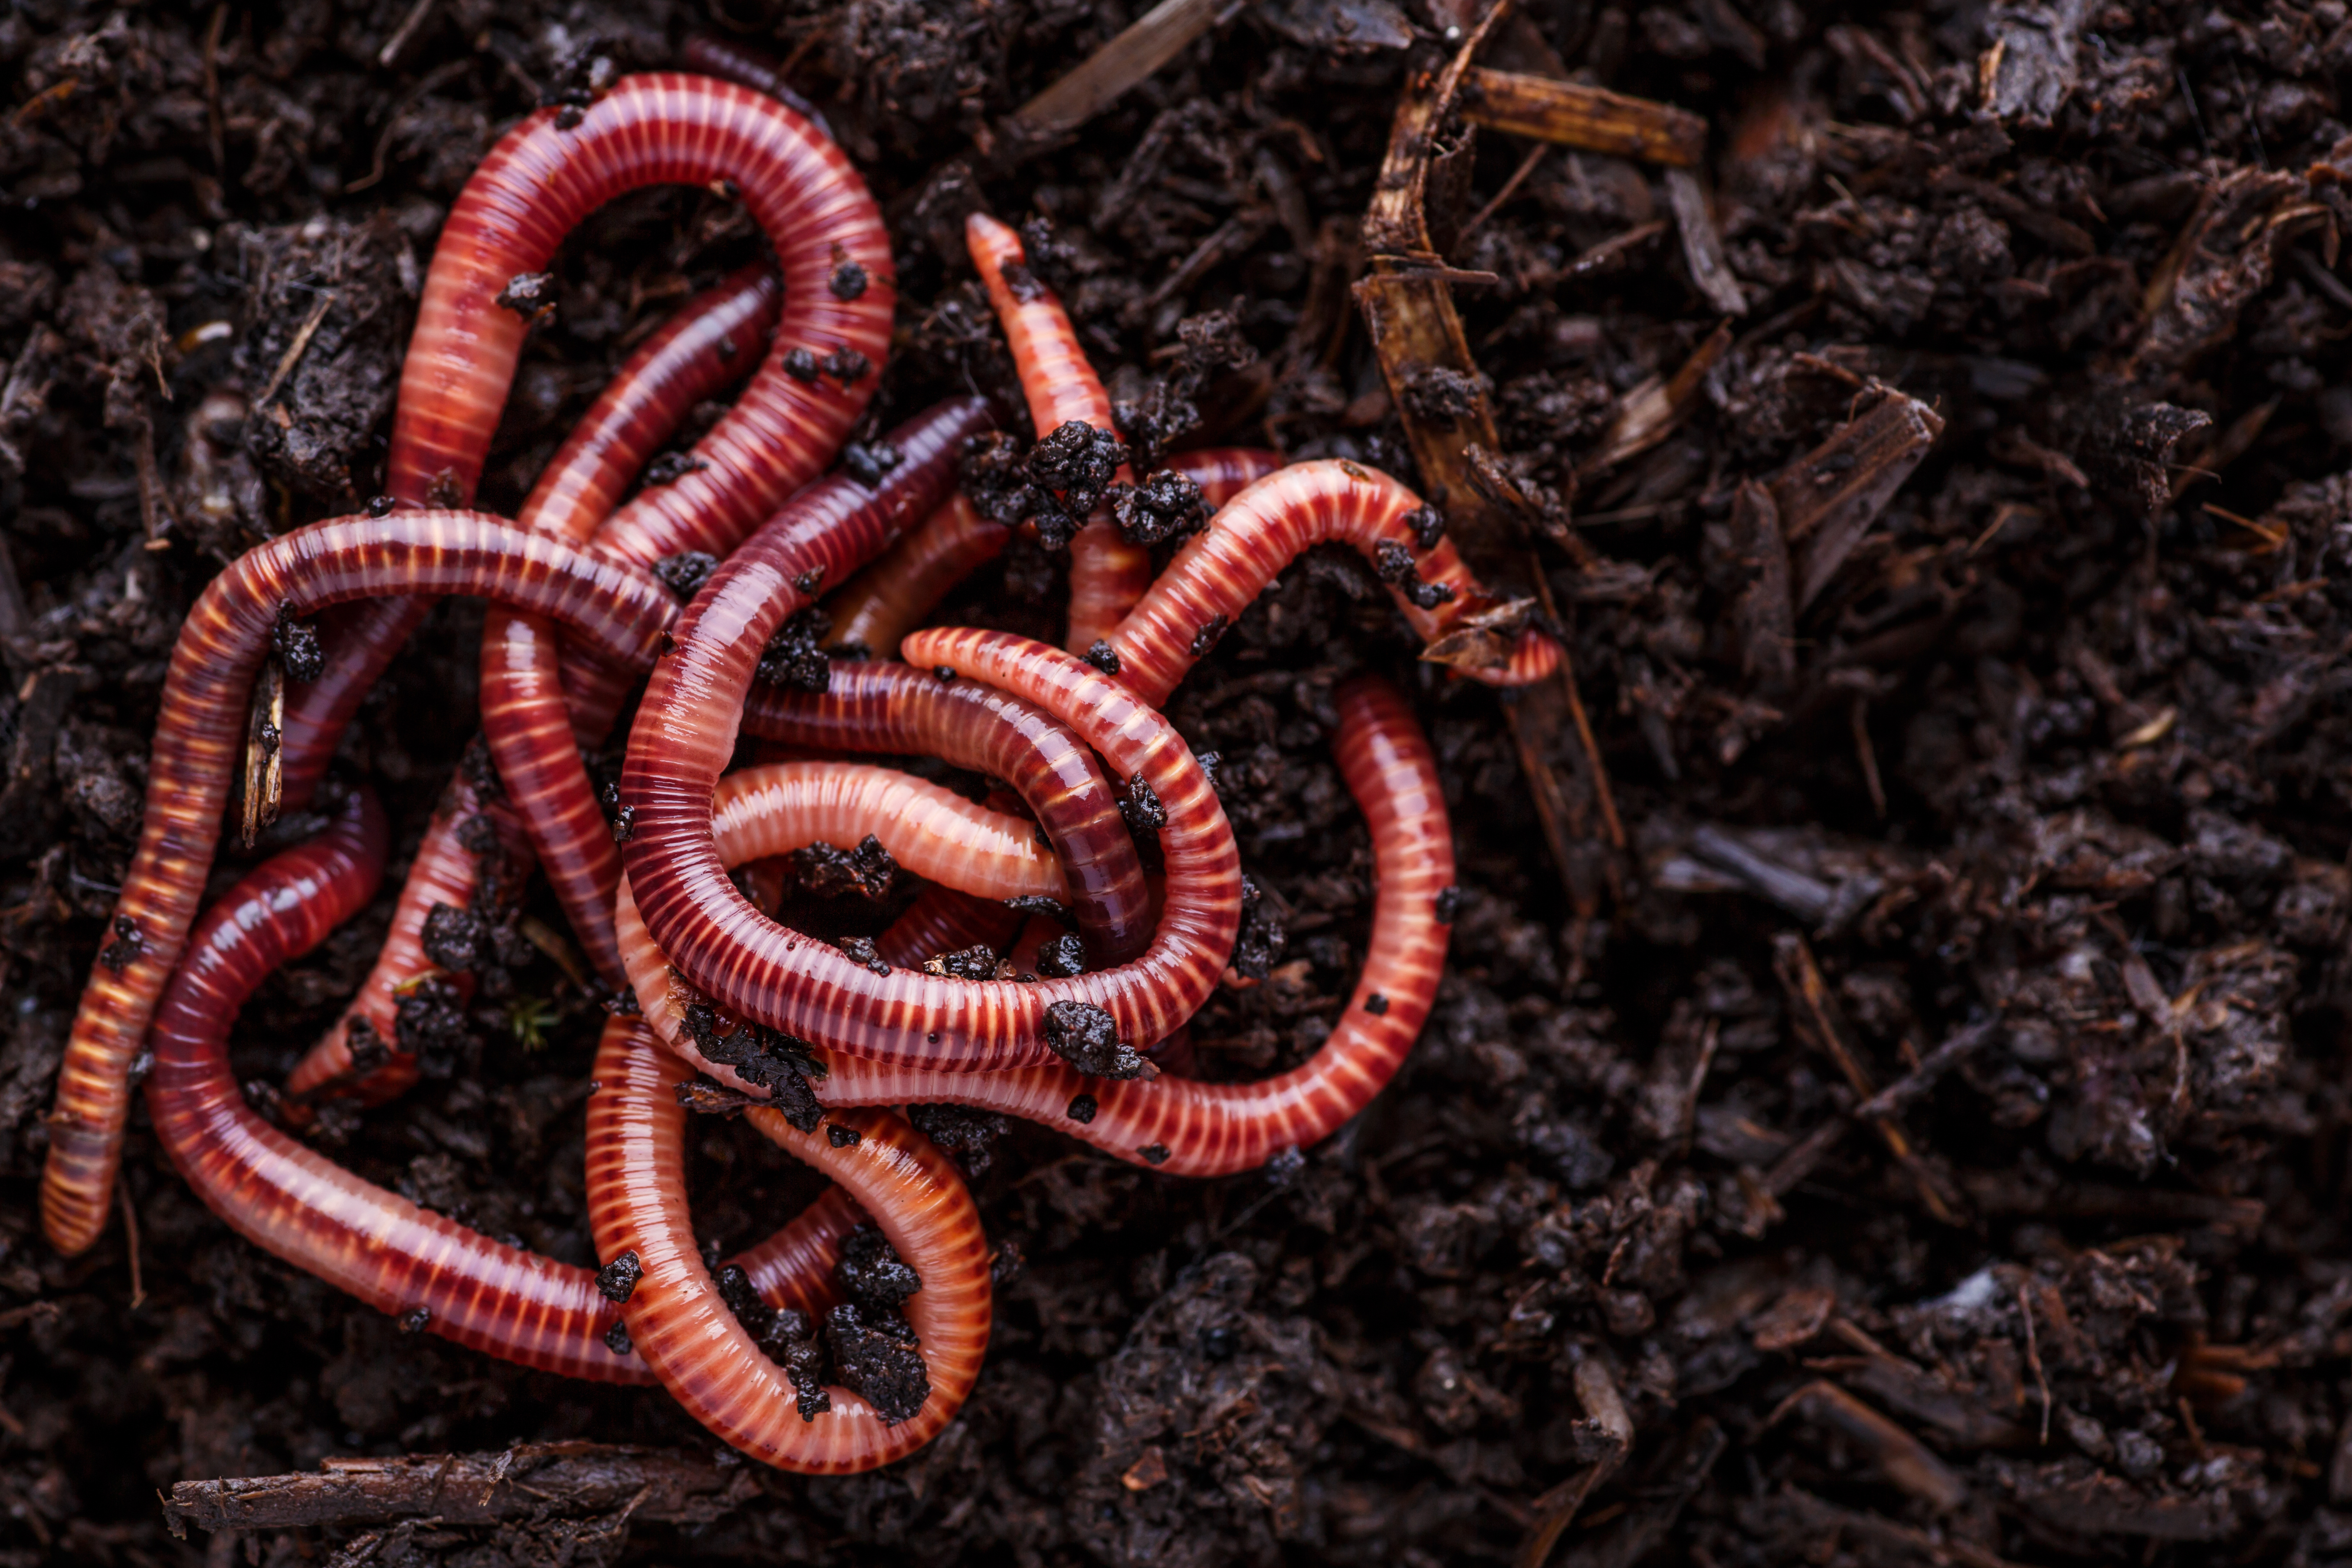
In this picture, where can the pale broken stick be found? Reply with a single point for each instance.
(575, 1479)
(1155, 39)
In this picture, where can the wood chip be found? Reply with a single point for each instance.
(1155, 39)
(1703, 243)
(531, 1480)
(1589, 118)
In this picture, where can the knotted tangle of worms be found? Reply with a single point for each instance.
(838, 1343)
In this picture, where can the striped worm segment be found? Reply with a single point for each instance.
(541, 179)
(636, 1198)
(200, 731)
(1221, 570)
(536, 719)
(1187, 1128)
(1108, 574)
(882, 604)
(900, 711)
(753, 968)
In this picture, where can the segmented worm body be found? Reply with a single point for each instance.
(754, 968)
(1107, 574)
(199, 731)
(544, 176)
(1187, 1128)
(900, 711)
(430, 1271)
(294, 1202)
(882, 604)
(1222, 569)
(706, 344)
(943, 921)
(446, 870)
(710, 1364)
(534, 732)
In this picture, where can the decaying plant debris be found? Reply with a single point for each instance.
(1888, 1104)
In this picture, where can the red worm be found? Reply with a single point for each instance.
(444, 872)
(1108, 574)
(637, 1199)
(755, 968)
(695, 354)
(295, 1204)
(775, 809)
(900, 711)
(200, 729)
(942, 920)
(544, 176)
(531, 728)
(737, 62)
(1191, 1129)
(1221, 570)
(882, 604)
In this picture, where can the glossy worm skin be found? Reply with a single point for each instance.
(693, 354)
(771, 810)
(754, 968)
(882, 604)
(1108, 574)
(200, 732)
(531, 190)
(534, 733)
(897, 709)
(295, 1204)
(1186, 1128)
(885, 602)
(1222, 569)
(444, 872)
(943, 921)
(636, 1199)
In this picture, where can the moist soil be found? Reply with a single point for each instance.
(1910, 1128)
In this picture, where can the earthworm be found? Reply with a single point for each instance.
(445, 871)
(731, 60)
(942, 920)
(759, 812)
(710, 1365)
(1107, 574)
(200, 727)
(1187, 1128)
(694, 353)
(882, 604)
(545, 175)
(753, 968)
(1219, 570)
(295, 1204)
(534, 735)
(897, 709)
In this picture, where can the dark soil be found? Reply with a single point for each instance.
(2043, 824)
